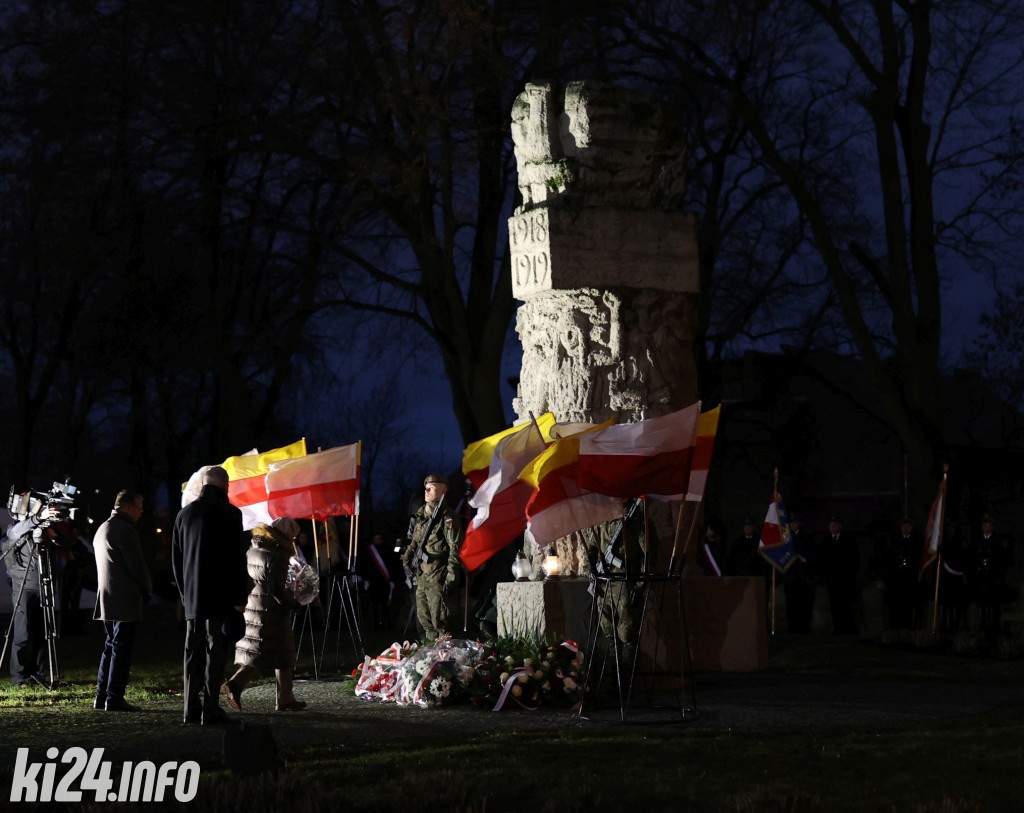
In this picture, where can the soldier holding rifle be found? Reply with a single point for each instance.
(431, 559)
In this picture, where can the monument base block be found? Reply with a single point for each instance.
(726, 619)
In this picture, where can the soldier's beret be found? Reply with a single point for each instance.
(435, 478)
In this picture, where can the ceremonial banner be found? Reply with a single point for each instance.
(653, 456)
(933, 533)
(776, 544)
(501, 499)
(477, 457)
(247, 481)
(707, 430)
(317, 486)
(559, 505)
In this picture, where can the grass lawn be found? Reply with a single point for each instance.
(957, 763)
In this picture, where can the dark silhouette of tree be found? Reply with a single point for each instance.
(888, 125)
(239, 173)
(427, 140)
(162, 241)
(193, 192)
(998, 353)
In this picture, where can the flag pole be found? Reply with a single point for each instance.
(316, 547)
(941, 519)
(698, 515)
(357, 535)
(689, 534)
(693, 520)
(316, 541)
(351, 541)
(679, 531)
(778, 521)
(354, 542)
(647, 538)
(536, 426)
(625, 544)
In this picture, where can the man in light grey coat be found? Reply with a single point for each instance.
(123, 587)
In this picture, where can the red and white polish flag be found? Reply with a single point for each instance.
(317, 486)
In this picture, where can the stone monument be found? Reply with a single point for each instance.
(603, 259)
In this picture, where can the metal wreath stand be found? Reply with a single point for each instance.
(613, 688)
(340, 590)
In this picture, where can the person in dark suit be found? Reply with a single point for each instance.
(379, 569)
(712, 553)
(839, 561)
(208, 559)
(123, 587)
(989, 557)
(800, 582)
(743, 558)
(901, 561)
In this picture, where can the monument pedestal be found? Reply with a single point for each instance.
(726, 618)
(544, 609)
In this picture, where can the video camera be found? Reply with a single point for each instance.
(60, 500)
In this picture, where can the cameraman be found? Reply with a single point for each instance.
(28, 651)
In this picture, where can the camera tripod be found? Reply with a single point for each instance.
(42, 562)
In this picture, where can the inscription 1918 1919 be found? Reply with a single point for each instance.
(531, 260)
(531, 270)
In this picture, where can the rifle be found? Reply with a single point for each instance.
(417, 558)
(603, 564)
(610, 560)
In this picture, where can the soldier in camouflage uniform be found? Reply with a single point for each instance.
(438, 571)
(612, 552)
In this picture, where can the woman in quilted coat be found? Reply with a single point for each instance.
(268, 641)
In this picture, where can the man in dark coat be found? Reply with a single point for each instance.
(744, 559)
(800, 582)
(901, 562)
(208, 559)
(839, 565)
(713, 550)
(379, 571)
(123, 587)
(988, 560)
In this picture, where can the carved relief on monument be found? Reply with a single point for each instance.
(624, 148)
(592, 354)
(603, 145)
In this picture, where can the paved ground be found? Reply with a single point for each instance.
(811, 681)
